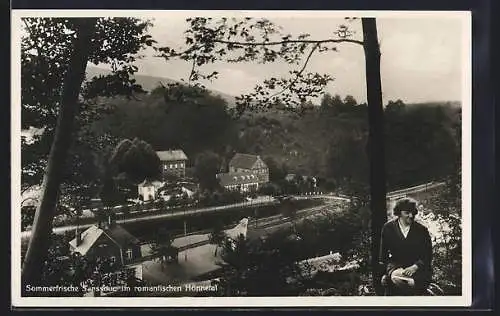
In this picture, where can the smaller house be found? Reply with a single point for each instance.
(173, 162)
(147, 190)
(107, 240)
(240, 181)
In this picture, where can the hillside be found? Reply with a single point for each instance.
(421, 139)
(301, 143)
(148, 83)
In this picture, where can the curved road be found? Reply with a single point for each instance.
(255, 202)
(174, 214)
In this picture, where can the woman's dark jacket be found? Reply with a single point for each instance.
(396, 251)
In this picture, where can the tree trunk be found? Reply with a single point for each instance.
(375, 144)
(42, 225)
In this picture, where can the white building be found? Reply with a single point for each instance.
(241, 181)
(148, 190)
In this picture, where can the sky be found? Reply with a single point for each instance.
(422, 57)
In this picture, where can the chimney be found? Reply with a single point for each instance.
(78, 237)
(110, 223)
(107, 222)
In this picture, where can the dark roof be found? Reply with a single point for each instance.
(172, 155)
(236, 178)
(90, 236)
(121, 236)
(244, 161)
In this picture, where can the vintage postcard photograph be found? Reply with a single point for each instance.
(241, 159)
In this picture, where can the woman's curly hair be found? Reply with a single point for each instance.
(405, 204)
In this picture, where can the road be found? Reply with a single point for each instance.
(260, 226)
(255, 202)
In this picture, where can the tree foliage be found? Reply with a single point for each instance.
(131, 162)
(260, 40)
(54, 55)
(206, 167)
(137, 159)
(174, 116)
(161, 247)
(423, 143)
(45, 51)
(274, 260)
(217, 236)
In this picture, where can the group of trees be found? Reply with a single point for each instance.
(162, 248)
(335, 105)
(217, 236)
(130, 163)
(274, 261)
(423, 143)
(219, 197)
(54, 56)
(196, 122)
(325, 143)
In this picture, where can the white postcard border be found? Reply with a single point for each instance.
(194, 302)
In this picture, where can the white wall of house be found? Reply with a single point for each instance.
(147, 192)
(246, 187)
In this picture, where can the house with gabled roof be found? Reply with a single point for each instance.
(247, 163)
(240, 181)
(173, 162)
(246, 173)
(107, 240)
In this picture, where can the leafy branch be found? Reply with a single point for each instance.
(248, 39)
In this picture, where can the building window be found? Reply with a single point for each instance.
(181, 165)
(129, 253)
(175, 166)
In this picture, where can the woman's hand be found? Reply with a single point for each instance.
(410, 271)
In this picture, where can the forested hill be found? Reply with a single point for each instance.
(329, 141)
(149, 83)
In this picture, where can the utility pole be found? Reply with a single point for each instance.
(185, 236)
(255, 215)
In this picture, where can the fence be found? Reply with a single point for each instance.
(418, 188)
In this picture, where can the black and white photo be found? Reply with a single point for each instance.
(241, 158)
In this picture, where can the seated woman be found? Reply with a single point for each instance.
(406, 251)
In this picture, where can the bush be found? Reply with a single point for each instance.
(27, 216)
